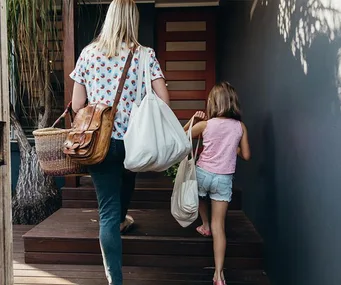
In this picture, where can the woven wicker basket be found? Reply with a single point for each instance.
(49, 145)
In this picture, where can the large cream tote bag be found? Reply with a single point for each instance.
(155, 139)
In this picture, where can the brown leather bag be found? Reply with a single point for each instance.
(89, 139)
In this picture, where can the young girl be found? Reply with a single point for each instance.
(224, 136)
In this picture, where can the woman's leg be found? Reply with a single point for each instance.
(219, 209)
(107, 178)
(127, 190)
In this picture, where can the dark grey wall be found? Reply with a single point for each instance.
(292, 186)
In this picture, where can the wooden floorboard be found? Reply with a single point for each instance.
(150, 224)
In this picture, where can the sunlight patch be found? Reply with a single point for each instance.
(315, 17)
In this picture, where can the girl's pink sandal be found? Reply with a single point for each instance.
(220, 282)
(203, 232)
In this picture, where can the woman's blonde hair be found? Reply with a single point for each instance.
(223, 102)
(121, 25)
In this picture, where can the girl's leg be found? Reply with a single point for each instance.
(204, 179)
(203, 210)
(219, 209)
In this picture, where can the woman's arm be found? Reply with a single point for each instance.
(160, 88)
(244, 148)
(78, 97)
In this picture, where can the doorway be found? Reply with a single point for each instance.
(186, 42)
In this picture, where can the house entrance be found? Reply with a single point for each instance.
(186, 51)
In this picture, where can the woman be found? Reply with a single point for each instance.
(96, 75)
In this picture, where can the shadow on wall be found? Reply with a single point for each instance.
(301, 24)
(286, 66)
(297, 137)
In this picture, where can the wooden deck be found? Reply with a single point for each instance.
(43, 274)
(70, 236)
(156, 251)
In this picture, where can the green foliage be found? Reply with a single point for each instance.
(171, 172)
(33, 48)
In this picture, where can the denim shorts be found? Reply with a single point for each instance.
(218, 186)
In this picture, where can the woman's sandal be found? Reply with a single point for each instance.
(203, 232)
(129, 222)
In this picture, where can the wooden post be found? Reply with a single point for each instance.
(69, 61)
(6, 240)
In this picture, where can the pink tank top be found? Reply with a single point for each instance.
(221, 139)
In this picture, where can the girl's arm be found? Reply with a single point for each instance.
(244, 148)
(198, 116)
(198, 129)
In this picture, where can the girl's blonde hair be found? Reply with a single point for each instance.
(223, 102)
(121, 25)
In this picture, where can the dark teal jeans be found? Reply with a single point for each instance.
(114, 187)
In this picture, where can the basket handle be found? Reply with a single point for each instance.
(67, 110)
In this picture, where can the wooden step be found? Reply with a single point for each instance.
(143, 198)
(94, 275)
(70, 236)
(153, 191)
(145, 179)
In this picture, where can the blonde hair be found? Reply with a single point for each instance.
(223, 102)
(120, 26)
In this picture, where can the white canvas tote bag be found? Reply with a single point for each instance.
(155, 139)
(185, 198)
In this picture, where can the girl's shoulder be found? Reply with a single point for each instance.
(202, 125)
(242, 125)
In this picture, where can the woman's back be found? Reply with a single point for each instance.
(221, 138)
(100, 75)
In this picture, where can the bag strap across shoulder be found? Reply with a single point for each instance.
(118, 92)
(121, 84)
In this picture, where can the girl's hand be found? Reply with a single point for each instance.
(199, 116)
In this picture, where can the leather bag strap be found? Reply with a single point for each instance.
(121, 84)
(68, 110)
